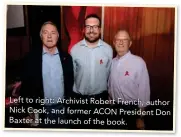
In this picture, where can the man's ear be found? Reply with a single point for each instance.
(100, 29)
(114, 43)
(58, 35)
(130, 43)
(41, 36)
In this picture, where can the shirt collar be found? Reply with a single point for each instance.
(83, 43)
(123, 57)
(46, 52)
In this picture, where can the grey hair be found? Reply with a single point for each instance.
(45, 23)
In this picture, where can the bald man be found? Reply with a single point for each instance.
(128, 81)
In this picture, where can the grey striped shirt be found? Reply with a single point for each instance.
(91, 67)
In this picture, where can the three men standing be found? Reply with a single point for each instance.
(51, 74)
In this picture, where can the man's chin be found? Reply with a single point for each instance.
(121, 53)
(50, 46)
(92, 40)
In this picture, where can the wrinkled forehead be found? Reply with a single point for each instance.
(122, 34)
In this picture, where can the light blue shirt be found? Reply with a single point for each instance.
(53, 82)
(91, 67)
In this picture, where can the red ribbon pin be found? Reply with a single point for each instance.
(101, 62)
(126, 73)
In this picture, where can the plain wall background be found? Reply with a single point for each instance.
(15, 16)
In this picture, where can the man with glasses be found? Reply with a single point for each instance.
(128, 82)
(92, 60)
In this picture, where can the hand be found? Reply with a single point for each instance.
(32, 116)
(140, 124)
(110, 98)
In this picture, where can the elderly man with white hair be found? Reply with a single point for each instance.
(129, 81)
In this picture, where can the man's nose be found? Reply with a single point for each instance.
(121, 42)
(49, 35)
(91, 29)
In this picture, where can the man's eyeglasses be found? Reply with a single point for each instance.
(121, 40)
(94, 27)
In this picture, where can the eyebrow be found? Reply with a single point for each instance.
(91, 25)
(51, 31)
